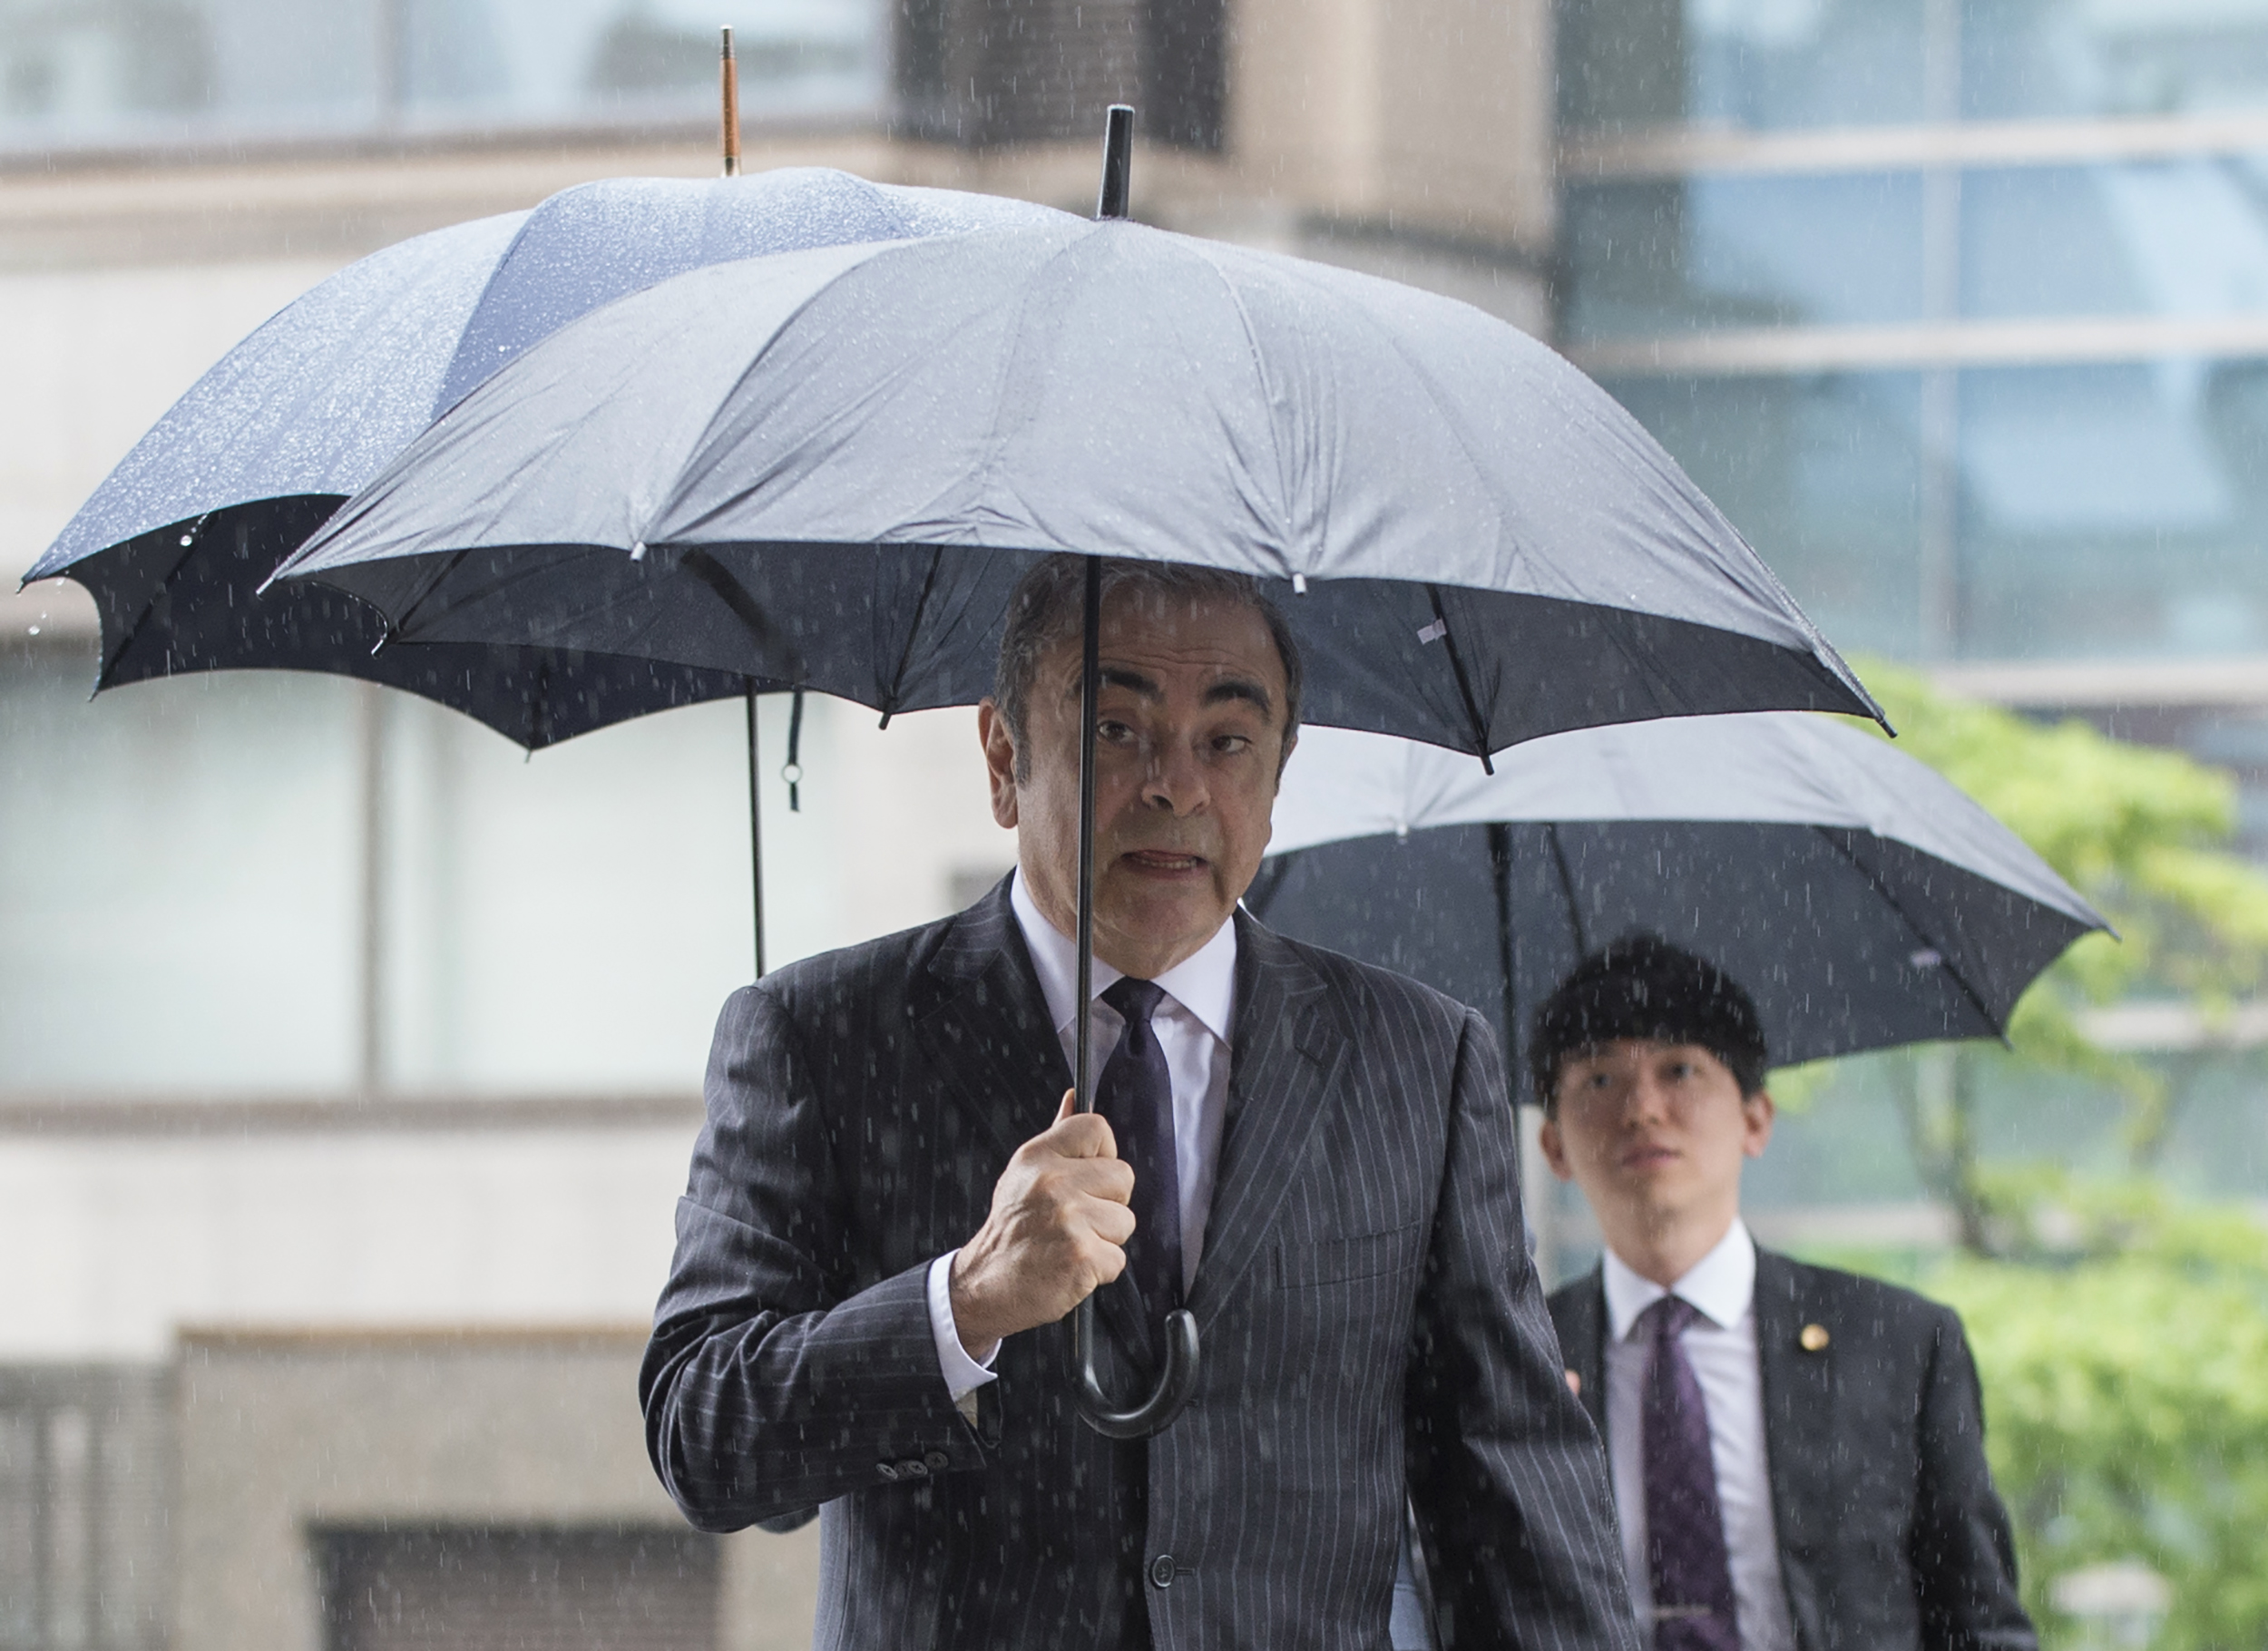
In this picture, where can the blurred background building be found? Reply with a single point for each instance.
(348, 1061)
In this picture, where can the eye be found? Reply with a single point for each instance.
(1229, 744)
(1112, 729)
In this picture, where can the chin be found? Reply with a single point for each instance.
(1162, 920)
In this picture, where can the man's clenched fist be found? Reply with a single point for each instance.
(1059, 1224)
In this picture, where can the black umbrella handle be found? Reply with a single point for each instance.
(1180, 1380)
(1175, 1389)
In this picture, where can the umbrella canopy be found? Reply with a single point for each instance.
(829, 467)
(176, 542)
(1863, 899)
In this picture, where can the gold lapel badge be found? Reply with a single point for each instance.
(1812, 1338)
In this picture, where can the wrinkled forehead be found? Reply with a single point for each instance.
(1196, 638)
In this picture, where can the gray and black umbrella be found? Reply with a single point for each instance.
(1863, 899)
(831, 467)
(177, 541)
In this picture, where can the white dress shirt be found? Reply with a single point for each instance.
(1721, 1346)
(1191, 1022)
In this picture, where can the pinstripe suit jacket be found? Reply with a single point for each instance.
(1368, 1314)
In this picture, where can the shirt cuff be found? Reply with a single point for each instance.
(963, 1375)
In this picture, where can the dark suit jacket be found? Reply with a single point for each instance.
(1890, 1534)
(1367, 1312)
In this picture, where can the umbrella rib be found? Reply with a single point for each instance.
(1465, 683)
(737, 601)
(1567, 890)
(495, 273)
(181, 560)
(456, 560)
(905, 650)
(1945, 959)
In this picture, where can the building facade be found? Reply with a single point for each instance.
(349, 1062)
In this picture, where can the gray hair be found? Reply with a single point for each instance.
(1048, 604)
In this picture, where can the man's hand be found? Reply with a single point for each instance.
(1060, 1219)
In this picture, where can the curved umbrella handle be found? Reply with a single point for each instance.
(1174, 1391)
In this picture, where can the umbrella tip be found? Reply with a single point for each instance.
(728, 85)
(1117, 162)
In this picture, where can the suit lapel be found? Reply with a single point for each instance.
(1284, 1063)
(1798, 1425)
(983, 1022)
(985, 1025)
(1583, 1349)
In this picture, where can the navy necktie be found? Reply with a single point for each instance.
(1135, 1093)
(1684, 1529)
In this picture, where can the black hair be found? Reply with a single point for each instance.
(1046, 606)
(1641, 986)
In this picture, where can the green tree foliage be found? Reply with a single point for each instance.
(2122, 1339)
(2126, 1373)
(2144, 835)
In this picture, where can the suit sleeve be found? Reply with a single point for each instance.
(769, 1385)
(1962, 1551)
(1505, 1468)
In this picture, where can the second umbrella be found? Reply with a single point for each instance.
(1863, 899)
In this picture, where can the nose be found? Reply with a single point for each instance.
(1648, 1098)
(1174, 782)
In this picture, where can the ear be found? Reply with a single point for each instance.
(1555, 1149)
(999, 762)
(1759, 1112)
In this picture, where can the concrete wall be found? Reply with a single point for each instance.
(283, 1431)
(1435, 115)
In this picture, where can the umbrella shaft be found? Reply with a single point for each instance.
(1090, 690)
(755, 837)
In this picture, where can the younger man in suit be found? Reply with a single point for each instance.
(1797, 1453)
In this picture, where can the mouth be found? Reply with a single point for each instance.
(1161, 863)
(1646, 1158)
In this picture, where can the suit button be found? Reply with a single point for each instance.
(938, 1459)
(885, 1469)
(1161, 1571)
(913, 1467)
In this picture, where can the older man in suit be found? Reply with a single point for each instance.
(892, 1209)
(1797, 1453)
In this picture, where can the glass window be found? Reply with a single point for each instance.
(2115, 509)
(1733, 252)
(1787, 64)
(2177, 238)
(185, 859)
(2029, 59)
(177, 880)
(1822, 477)
(1760, 63)
(90, 72)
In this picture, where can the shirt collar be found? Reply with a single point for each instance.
(1722, 1284)
(1204, 982)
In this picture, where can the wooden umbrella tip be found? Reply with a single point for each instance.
(729, 83)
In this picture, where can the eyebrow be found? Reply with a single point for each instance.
(1228, 689)
(1239, 688)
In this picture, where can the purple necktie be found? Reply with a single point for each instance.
(1684, 1529)
(1135, 1093)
